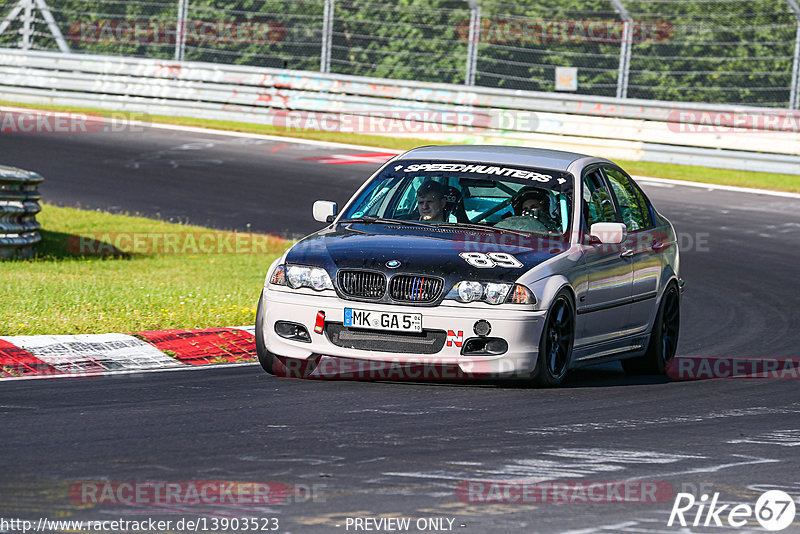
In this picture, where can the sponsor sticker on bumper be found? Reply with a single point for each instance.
(398, 322)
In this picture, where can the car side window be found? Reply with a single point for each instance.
(632, 204)
(597, 203)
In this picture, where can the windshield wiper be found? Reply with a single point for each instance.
(429, 224)
(373, 219)
(475, 226)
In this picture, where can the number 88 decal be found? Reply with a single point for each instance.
(491, 260)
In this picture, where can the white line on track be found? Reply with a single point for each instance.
(715, 187)
(750, 460)
(616, 527)
(629, 423)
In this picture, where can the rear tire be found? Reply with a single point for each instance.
(663, 339)
(558, 338)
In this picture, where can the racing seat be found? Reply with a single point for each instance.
(454, 204)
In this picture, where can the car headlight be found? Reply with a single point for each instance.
(491, 292)
(469, 291)
(297, 276)
(496, 293)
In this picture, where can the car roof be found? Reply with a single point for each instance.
(506, 155)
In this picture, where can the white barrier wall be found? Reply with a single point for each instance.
(755, 139)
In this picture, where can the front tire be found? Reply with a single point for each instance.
(265, 357)
(558, 338)
(663, 339)
(272, 363)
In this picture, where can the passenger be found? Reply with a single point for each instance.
(534, 202)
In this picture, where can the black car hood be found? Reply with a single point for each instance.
(420, 250)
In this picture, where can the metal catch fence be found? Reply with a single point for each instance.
(716, 51)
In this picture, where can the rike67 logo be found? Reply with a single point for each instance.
(774, 510)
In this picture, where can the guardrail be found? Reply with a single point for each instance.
(747, 138)
(19, 204)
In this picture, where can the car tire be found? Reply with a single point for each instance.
(558, 339)
(663, 339)
(274, 364)
(265, 357)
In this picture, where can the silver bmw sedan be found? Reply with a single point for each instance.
(463, 262)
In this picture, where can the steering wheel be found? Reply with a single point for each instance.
(522, 223)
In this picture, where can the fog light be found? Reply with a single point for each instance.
(482, 328)
(484, 346)
(293, 331)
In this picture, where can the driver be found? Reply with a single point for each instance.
(533, 202)
(431, 201)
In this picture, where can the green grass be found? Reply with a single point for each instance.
(59, 292)
(760, 180)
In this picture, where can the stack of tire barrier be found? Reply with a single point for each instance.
(19, 204)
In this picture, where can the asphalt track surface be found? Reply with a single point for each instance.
(394, 449)
(220, 181)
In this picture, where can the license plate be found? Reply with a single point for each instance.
(399, 322)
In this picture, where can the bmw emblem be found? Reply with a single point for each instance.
(393, 264)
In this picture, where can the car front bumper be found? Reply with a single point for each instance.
(520, 328)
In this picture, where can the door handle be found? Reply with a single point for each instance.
(658, 245)
(627, 253)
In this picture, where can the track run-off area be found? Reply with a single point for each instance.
(455, 455)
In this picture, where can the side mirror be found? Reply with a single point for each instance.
(608, 233)
(325, 211)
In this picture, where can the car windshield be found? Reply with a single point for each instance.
(503, 197)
